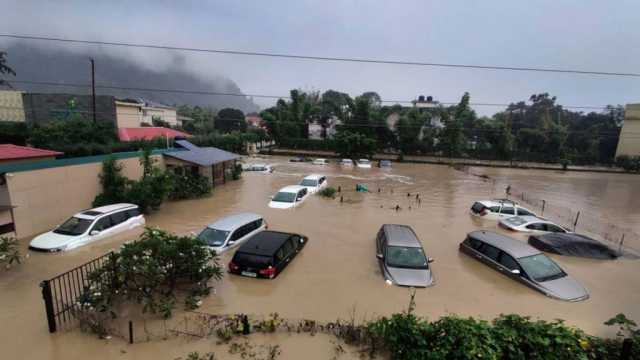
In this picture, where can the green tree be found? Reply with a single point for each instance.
(452, 139)
(229, 120)
(4, 68)
(353, 145)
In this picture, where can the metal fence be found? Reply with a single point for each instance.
(62, 293)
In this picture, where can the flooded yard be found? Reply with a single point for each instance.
(337, 271)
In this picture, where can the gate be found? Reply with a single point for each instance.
(63, 292)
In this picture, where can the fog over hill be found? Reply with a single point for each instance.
(122, 68)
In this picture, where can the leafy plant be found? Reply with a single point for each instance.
(189, 186)
(9, 253)
(328, 192)
(237, 172)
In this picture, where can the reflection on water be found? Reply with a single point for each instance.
(337, 270)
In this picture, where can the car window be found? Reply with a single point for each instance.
(296, 241)
(406, 257)
(537, 226)
(118, 217)
(508, 210)
(213, 237)
(102, 224)
(322, 179)
(133, 212)
(73, 226)
(495, 209)
(508, 261)
(541, 268)
(522, 211)
(554, 228)
(474, 243)
(288, 247)
(280, 254)
(287, 197)
(489, 251)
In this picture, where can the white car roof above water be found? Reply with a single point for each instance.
(95, 212)
(232, 222)
(527, 219)
(313, 177)
(292, 188)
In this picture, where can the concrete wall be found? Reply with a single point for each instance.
(46, 197)
(40, 108)
(128, 115)
(11, 106)
(629, 143)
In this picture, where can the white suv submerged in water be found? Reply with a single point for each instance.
(231, 231)
(314, 183)
(498, 209)
(89, 226)
(289, 197)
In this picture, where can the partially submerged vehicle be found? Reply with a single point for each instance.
(320, 162)
(314, 183)
(401, 257)
(231, 231)
(346, 162)
(259, 168)
(89, 226)
(289, 197)
(531, 224)
(364, 163)
(384, 164)
(498, 209)
(266, 254)
(571, 244)
(299, 159)
(523, 263)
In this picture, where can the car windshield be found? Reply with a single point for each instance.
(309, 182)
(73, 226)
(213, 237)
(363, 161)
(406, 257)
(541, 268)
(286, 197)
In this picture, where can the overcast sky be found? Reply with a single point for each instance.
(581, 34)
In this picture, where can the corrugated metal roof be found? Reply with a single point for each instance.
(148, 133)
(16, 152)
(203, 156)
(185, 144)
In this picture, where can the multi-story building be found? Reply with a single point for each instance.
(131, 113)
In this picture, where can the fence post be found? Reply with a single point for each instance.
(576, 221)
(48, 305)
(620, 247)
(543, 204)
(130, 332)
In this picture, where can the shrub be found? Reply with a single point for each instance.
(328, 192)
(189, 186)
(237, 172)
(151, 271)
(9, 253)
(628, 163)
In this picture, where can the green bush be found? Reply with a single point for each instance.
(152, 271)
(9, 253)
(189, 186)
(329, 192)
(237, 172)
(628, 163)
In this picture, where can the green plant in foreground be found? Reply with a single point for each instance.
(9, 253)
(328, 192)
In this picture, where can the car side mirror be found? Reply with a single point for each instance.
(380, 256)
(515, 272)
(193, 233)
(94, 232)
(231, 242)
(430, 260)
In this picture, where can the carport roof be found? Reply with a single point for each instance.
(206, 156)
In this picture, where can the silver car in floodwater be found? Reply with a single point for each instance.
(401, 257)
(523, 263)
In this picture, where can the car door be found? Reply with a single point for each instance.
(288, 252)
(490, 255)
(300, 197)
(507, 264)
(103, 228)
(236, 237)
(537, 227)
(555, 228)
(119, 222)
(506, 211)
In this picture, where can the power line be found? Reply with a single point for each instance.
(324, 58)
(214, 93)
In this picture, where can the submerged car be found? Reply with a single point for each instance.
(320, 162)
(523, 263)
(401, 257)
(289, 197)
(259, 168)
(298, 159)
(531, 224)
(346, 162)
(384, 163)
(364, 163)
(498, 209)
(88, 226)
(572, 245)
(231, 231)
(266, 254)
(314, 183)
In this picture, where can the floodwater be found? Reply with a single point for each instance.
(337, 272)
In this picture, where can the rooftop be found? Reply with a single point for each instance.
(515, 248)
(230, 223)
(206, 156)
(148, 133)
(401, 235)
(264, 243)
(16, 152)
(292, 188)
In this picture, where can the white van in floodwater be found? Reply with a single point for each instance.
(89, 226)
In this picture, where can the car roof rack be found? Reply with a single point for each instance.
(506, 201)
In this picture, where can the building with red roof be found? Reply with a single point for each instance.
(148, 133)
(10, 153)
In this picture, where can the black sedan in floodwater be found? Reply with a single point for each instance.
(266, 254)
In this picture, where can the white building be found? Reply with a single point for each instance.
(135, 113)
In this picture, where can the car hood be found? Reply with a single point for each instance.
(51, 241)
(280, 205)
(410, 277)
(565, 288)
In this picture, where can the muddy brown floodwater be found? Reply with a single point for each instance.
(338, 272)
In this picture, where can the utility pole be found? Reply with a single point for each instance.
(93, 89)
